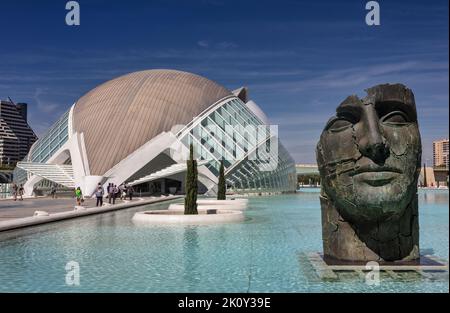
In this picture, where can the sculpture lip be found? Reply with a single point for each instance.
(372, 169)
(379, 181)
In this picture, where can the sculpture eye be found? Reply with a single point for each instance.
(339, 124)
(396, 118)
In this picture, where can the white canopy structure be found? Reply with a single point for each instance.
(166, 172)
(60, 174)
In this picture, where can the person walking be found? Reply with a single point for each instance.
(99, 194)
(122, 192)
(115, 192)
(21, 191)
(14, 191)
(130, 192)
(53, 191)
(79, 196)
(110, 192)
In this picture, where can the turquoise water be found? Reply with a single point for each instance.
(266, 253)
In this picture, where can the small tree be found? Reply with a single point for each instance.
(425, 183)
(190, 201)
(222, 189)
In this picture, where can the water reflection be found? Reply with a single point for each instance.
(433, 197)
(191, 255)
(260, 255)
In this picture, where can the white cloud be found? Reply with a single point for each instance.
(226, 45)
(203, 43)
(44, 106)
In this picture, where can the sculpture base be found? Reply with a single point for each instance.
(165, 217)
(429, 267)
(205, 204)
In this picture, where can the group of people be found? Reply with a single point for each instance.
(113, 192)
(17, 191)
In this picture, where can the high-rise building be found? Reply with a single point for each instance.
(440, 153)
(16, 136)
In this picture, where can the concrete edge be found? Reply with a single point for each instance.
(202, 206)
(38, 220)
(166, 217)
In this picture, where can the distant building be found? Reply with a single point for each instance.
(307, 174)
(440, 153)
(306, 169)
(426, 177)
(16, 136)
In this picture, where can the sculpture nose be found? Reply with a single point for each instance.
(372, 144)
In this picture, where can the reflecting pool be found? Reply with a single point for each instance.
(266, 253)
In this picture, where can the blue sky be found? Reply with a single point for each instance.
(299, 59)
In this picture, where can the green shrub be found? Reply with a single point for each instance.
(222, 189)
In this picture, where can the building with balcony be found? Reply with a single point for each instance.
(440, 153)
(440, 162)
(16, 136)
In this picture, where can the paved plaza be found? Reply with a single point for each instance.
(10, 209)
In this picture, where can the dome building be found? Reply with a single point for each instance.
(137, 128)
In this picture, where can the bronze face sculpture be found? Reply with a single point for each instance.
(369, 162)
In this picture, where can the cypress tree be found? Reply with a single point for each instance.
(190, 201)
(425, 183)
(222, 189)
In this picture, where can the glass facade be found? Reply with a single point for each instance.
(230, 133)
(248, 177)
(20, 176)
(46, 146)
